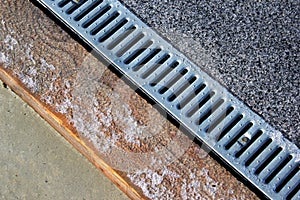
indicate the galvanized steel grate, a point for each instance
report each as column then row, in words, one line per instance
column 235, row 133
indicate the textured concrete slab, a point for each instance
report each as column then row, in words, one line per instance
column 37, row 163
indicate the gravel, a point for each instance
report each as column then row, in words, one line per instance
column 251, row 47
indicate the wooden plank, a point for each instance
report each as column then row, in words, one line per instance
column 103, row 118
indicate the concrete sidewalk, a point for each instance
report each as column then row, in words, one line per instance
column 37, row 163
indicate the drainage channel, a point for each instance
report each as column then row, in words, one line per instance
column 236, row 134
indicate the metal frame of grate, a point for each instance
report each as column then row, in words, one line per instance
column 212, row 114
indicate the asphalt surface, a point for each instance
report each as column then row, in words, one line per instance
column 251, row 47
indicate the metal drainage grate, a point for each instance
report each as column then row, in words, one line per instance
column 235, row 133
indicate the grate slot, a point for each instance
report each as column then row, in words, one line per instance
column 141, row 53
column 217, row 121
column 230, row 126
column 238, row 135
column 126, row 42
column 172, row 81
column 294, row 192
column 66, row 6
column 95, row 17
column 242, row 141
column 201, row 103
column 287, row 178
column 182, row 88
column 130, row 44
column 104, row 23
column 270, row 158
column 88, row 10
column 258, row 151
column 272, row 166
column 278, row 169
column 231, row 134
column 215, row 114
column 263, row 155
column 121, row 37
column 113, row 30
column 253, row 147
column 146, row 59
column 162, row 63
column 211, row 109
column 182, row 80
column 252, row 140
column 74, row 7
column 215, row 134
column 63, row 3
column 188, row 91
column 291, row 184
column 138, row 52
column 83, row 6
column 191, row 96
